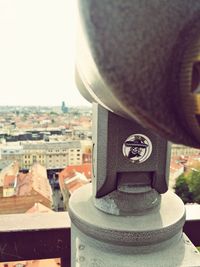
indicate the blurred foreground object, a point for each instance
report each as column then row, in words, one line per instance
column 137, row 62
column 140, row 59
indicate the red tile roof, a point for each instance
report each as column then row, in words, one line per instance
column 174, row 166
column 24, row 184
column 193, row 159
column 36, row 179
column 73, row 177
column 75, row 185
column 85, row 168
column 34, row 263
column 38, row 207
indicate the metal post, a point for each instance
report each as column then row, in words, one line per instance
column 125, row 218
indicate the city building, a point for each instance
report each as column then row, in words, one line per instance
column 176, row 169
column 180, row 150
column 32, row 263
column 182, row 158
column 182, row 165
column 86, row 146
column 192, row 163
column 8, row 179
column 9, row 185
column 64, row 108
column 51, row 155
column 10, row 153
column 73, row 177
column 22, row 190
column 38, row 207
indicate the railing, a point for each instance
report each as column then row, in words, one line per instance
column 35, row 236
column 191, row 229
column 47, row 235
column 192, row 224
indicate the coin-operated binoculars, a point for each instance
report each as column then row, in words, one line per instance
column 138, row 62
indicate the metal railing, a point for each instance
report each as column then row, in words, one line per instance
column 35, row 236
column 47, row 235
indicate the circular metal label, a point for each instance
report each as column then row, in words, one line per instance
column 137, row 148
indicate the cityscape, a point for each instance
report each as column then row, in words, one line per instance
column 116, row 187
column 45, row 155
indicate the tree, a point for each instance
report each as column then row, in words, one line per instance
column 182, row 189
column 194, row 185
column 53, row 113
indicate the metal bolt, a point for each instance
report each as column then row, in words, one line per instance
column 81, row 259
column 81, row 247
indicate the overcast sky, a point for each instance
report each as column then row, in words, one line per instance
column 37, row 53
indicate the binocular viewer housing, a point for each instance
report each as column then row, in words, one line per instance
column 140, row 60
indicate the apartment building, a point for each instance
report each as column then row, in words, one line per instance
column 11, row 153
column 180, row 150
column 9, row 185
column 33, row 152
column 61, row 154
column 33, row 263
column 22, row 190
column 73, row 177
column 8, row 179
column 51, row 155
column 86, row 146
column 176, row 169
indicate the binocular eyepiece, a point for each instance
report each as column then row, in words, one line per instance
column 141, row 60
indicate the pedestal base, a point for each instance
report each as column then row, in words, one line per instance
column 155, row 239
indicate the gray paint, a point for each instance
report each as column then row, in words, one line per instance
column 103, row 240
column 128, row 61
column 130, row 56
column 111, row 169
column 146, row 229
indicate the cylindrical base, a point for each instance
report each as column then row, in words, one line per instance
column 101, row 240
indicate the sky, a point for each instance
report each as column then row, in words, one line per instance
column 37, row 48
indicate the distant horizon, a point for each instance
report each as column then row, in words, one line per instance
column 37, row 55
column 46, row 106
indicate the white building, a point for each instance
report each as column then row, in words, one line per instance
column 180, row 150
column 52, row 155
